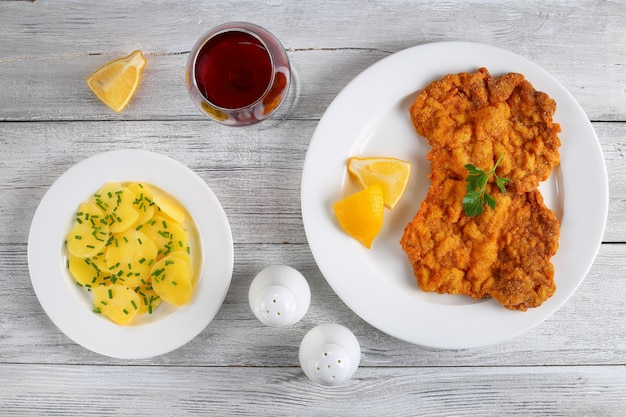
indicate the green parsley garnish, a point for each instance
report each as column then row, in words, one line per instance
column 477, row 197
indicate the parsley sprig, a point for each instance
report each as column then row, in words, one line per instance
column 476, row 197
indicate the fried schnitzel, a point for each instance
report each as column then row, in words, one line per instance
column 505, row 252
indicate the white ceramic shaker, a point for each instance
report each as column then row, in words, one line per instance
column 330, row 354
column 279, row 296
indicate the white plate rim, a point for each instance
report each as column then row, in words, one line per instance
column 60, row 298
column 390, row 308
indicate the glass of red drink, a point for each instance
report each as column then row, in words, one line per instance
column 238, row 74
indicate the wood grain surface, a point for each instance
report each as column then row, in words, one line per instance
column 573, row 364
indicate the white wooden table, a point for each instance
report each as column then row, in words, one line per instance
column 572, row 364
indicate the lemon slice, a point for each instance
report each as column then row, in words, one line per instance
column 361, row 214
column 390, row 173
column 116, row 82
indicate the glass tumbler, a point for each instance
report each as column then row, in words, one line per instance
column 238, row 74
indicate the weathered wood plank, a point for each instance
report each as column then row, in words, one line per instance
column 39, row 390
column 589, row 330
column 255, row 173
column 320, row 37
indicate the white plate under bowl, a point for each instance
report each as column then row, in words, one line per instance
column 370, row 118
column 70, row 307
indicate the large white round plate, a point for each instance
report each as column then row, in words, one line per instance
column 70, row 307
column 370, row 118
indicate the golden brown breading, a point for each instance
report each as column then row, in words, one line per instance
column 474, row 118
column 505, row 252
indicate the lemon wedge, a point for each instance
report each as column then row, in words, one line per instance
column 391, row 174
column 116, row 82
column 361, row 214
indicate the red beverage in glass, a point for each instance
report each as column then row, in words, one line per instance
column 233, row 70
column 238, row 74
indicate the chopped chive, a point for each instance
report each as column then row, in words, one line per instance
column 110, row 294
column 133, row 303
column 125, row 311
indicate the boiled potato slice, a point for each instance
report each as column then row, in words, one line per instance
column 89, row 233
column 171, row 280
column 166, row 234
column 130, row 257
column 87, row 272
column 143, row 203
column 118, row 204
column 168, row 205
column 184, row 255
column 149, row 299
column 117, row 302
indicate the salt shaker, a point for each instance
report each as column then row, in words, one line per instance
column 330, row 354
column 279, row 296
